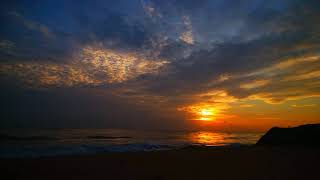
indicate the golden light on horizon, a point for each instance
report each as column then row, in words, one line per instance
column 201, row 112
column 205, row 119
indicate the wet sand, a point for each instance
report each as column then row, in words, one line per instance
column 246, row 163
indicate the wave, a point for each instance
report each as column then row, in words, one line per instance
column 4, row 137
column 90, row 149
column 61, row 150
column 108, row 137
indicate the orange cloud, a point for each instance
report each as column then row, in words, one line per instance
column 303, row 105
column 308, row 75
column 210, row 106
column 255, row 84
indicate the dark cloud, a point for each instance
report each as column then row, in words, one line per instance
column 243, row 57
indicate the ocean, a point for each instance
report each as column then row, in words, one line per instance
column 57, row 142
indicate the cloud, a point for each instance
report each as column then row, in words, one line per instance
column 150, row 10
column 215, row 102
column 187, row 36
column 34, row 26
column 93, row 67
column 224, row 77
column 254, row 84
column 303, row 105
column 308, row 75
column 118, row 66
column 246, row 105
column 6, row 45
column 287, row 63
column 179, row 54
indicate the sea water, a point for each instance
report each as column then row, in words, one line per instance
column 56, row 142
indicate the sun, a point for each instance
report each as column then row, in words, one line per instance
column 206, row 114
column 202, row 112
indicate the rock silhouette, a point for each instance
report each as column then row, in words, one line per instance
column 305, row 135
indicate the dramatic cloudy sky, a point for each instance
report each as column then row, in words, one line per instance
column 165, row 64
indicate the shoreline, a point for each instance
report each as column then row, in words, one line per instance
column 177, row 149
column 250, row 162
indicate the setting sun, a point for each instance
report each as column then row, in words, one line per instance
column 202, row 112
column 206, row 114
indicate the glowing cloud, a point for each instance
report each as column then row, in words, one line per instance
column 255, row 84
column 117, row 67
column 211, row 106
column 303, row 105
column 224, row 77
column 308, row 75
column 201, row 112
column 93, row 67
column 187, row 36
column 286, row 64
column 39, row 75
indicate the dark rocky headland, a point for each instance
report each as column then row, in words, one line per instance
column 305, row 135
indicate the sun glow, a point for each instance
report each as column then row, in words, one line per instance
column 206, row 114
column 201, row 112
column 205, row 119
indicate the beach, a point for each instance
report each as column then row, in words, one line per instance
column 194, row 162
column 160, row 90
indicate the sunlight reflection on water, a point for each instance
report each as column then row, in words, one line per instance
column 218, row 139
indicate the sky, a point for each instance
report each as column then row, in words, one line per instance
column 222, row 65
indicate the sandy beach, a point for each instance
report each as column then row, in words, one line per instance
column 188, row 163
